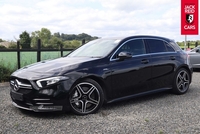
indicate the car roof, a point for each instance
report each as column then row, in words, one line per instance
column 139, row 36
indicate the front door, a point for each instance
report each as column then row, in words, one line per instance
column 131, row 76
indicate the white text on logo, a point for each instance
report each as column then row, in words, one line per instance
column 189, row 8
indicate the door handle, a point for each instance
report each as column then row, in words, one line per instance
column 172, row 58
column 144, row 61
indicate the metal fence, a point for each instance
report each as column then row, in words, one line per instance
column 38, row 50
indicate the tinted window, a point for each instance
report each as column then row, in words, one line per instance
column 135, row 47
column 175, row 46
column 156, row 46
column 169, row 48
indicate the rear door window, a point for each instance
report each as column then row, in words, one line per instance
column 156, row 46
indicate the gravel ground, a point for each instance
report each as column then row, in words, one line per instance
column 161, row 113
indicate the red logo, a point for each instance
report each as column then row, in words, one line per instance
column 189, row 17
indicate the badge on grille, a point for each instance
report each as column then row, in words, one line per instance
column 16, row 85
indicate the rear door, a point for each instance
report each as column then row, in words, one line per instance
column 163, row 60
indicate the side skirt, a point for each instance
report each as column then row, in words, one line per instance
column 139, row 94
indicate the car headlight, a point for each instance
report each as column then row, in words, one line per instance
column 50, row 81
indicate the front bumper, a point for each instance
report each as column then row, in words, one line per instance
column 53, row 98
column 40, row 108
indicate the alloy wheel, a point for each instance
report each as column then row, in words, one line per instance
column 183, row 81
column 85, row 98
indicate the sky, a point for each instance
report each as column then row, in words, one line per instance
column 101, row 18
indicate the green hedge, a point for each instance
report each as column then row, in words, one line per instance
column 5, row 73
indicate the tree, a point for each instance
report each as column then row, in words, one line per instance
column 80, row 37
column 2, row 47
column 54, row 42
column 57, row 35
column 1, row 40
column 12, row 45
column 34, row 39
column 51, row 41
column 188, row 44
column 44, row 34
column 25, row 40
column 196, row 44
column 84, row 36
column 72, row 44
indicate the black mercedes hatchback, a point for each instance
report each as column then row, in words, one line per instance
column 102, row 71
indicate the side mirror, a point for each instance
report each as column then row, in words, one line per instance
column 124, row 55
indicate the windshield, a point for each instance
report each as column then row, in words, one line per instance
column 95, row 48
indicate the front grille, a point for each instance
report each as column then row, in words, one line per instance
column 17, row 84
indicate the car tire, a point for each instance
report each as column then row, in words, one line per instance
column 86, row 97
column 181, row 81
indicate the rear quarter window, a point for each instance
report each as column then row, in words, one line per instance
column 169, row 47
